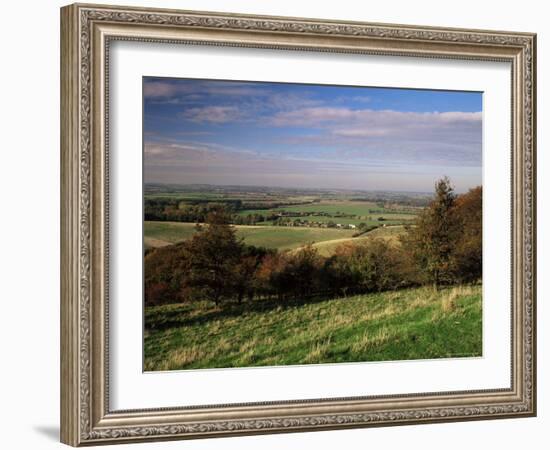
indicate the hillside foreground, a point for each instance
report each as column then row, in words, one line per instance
column 408, row 324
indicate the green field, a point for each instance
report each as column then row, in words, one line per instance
column 334, row 211
column 337, row 207
column 168, row 232
column 418, row 323
column 157, row 234
column 329, row 207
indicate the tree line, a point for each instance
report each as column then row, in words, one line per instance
column 177, row 210
column 442, row 247
column 196, row 210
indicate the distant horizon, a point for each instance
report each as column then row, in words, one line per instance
column 302, row 188
column 302, row 136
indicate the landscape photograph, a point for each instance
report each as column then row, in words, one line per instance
column 291, row 224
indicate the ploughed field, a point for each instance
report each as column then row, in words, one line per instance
column 416, row 323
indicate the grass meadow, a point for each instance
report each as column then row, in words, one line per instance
column 416, row 323
column 158, row 234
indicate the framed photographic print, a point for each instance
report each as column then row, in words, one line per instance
column 275, row 225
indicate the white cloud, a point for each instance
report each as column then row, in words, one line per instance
column 384, row 119
column 213, row 114
column 171, row 91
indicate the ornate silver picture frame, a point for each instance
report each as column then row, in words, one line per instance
column 87, row 32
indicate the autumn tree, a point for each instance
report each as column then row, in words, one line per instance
column 245, row 271
column 434, row 235
column 303, row 271
column 164, row 274
column 339, row 274
column 373, row 265
column 212, row 255
column 381, row 265
column 468, row 249
column 271, row 275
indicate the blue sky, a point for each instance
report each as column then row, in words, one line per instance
column 309, row 136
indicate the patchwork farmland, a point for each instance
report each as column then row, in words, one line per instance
column 283, row 220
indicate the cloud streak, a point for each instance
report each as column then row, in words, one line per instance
column 368, row 123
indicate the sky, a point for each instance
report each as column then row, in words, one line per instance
column 309, row 136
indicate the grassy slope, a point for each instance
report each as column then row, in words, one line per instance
column 415, row 323
column 171, row 232
column 327, row 248
column 283, row 238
